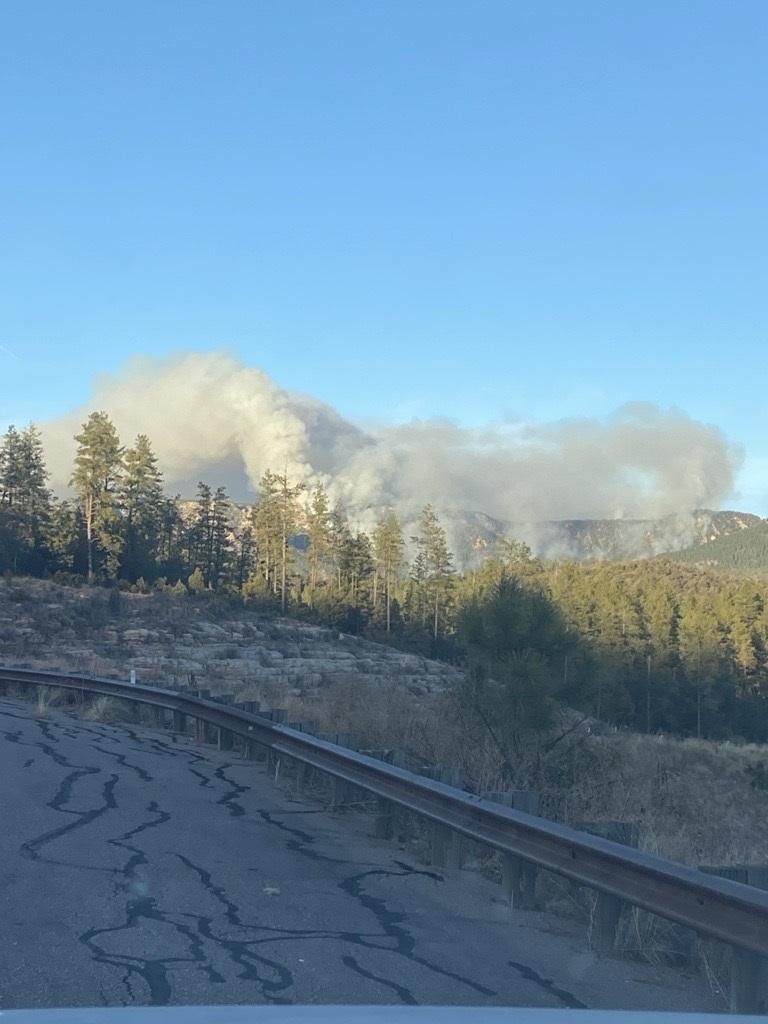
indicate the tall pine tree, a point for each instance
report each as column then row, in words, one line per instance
column 95, row 478
column 434, row 566
column 141, row 500
column 389, row 548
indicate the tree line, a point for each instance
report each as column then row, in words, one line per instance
column 654, row 644
column 290, row 545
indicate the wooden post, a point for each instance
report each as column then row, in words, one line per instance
column 340, row 793
column 443, row 847
column 518, row 878
column 749, row 971
column 383, row 823
column 606, row 922
column 748, row 989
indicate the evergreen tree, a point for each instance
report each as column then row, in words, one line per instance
column 95, row 478
column 67, row 538
column 277, row 518
column 244, row 558
column 25, row 502
column 319, row 535
column 265, row 522
column 142, row 503
column 10, row 467
column 172, row 539
column 389, row 548
column 338, row 537
column 434, row 565
column 357, row 567
column 221, row 545
column 210, row 535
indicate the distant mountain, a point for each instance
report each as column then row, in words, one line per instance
column 475, row 535
column 744, row 549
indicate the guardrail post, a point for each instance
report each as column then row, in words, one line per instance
column 605, row 922
column 518, row 879
column 226, row 739
column 277, row 715
column 300, row 776
column 179, row 721
column 340, row 793
column 607, row 913
column 253, row 751
column 748, row 990
column 383, row 823
column 445, row 852
column 749, row 971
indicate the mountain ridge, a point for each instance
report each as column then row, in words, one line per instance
column 474, row 535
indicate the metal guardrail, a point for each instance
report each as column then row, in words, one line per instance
column 715, row 907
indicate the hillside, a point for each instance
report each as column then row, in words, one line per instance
column 698, row 801
column 205, row 643
column 745, row 549
column 473, row 536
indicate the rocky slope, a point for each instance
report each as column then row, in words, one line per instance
column 181, row 641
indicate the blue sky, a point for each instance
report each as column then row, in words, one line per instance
column 476, row 209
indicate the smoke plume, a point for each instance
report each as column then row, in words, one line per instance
column 209, row 416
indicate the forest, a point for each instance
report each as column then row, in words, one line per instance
column 654, row 645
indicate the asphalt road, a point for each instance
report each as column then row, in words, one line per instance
column 138, row 868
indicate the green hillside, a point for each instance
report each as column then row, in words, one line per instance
column 744, row 549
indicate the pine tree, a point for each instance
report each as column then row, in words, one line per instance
column 66, row 538
column 33, row 502
column 141, row 500
column 434, row 564
column 266, row 529
column 25, row 501
column 701, row 652
column 357, row 567
column 276, row 519
column 319, row 533
column 245, row 556
column 172, row 538
column 210, row 535
column 95, row 478
column 338, row 538
column 389, row 548
column 10, row 467
column 289, row 518
column 221, row 545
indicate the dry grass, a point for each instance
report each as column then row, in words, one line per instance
column 693, row 799
column 48, row 698
column 107, row 709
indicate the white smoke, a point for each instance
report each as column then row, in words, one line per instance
column 210, row 417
